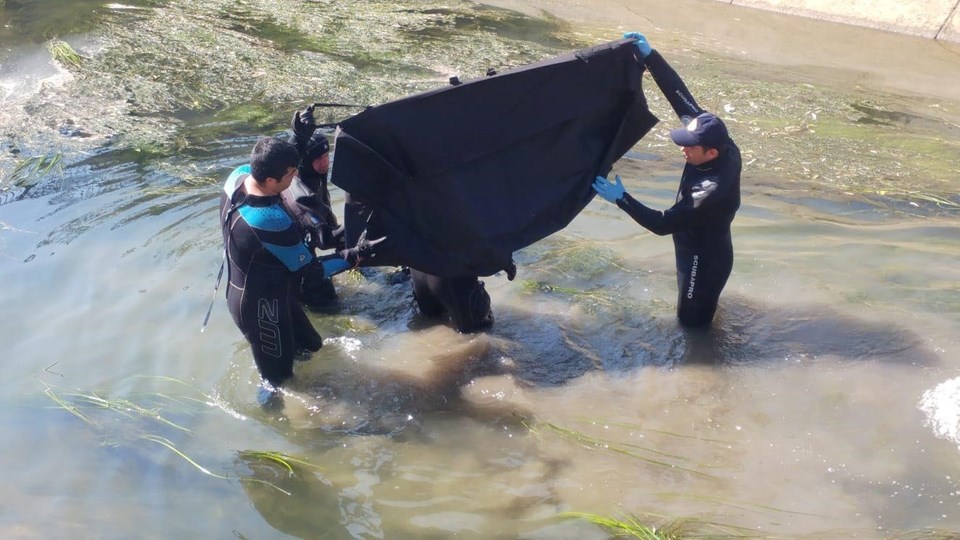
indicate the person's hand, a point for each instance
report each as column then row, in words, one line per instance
column 331, row 238
column 642, row 45
column 365, row 250
column 303, row 123
column 610, row 191
column 511, row 270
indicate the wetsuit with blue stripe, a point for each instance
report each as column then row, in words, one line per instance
column 707, row 201
column 266, row 254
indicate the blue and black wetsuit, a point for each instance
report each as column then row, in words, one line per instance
column 266, row 255
column 707, row 201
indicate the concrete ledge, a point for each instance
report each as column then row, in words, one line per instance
column 951, row 29
column 933, row 19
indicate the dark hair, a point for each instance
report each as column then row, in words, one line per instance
column 272, row 158
column 721, row 148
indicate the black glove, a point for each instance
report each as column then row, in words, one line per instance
column 366, row 250
column 331, row 238
column 511, row 270
column 303, row 124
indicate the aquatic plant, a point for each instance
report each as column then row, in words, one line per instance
column 926, row 534
column 207, row 57
column 64, row 54
column 634, row 526
column 279, row 458
column 649, row 455
column 29, row 171
column 84, row 405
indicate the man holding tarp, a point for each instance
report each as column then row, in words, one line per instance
column 707, row 200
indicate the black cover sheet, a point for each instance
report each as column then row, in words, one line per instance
column 460, row 177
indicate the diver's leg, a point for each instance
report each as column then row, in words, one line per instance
column 701, row 278
column 304, row 334
column 468, row 303
column 425, row 292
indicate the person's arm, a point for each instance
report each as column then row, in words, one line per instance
column 654, row 221
column 345, row 259
column 672, row 87
column 670, row 83
column 303, row 126
column 692, row 209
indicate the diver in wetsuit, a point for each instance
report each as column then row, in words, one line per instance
column 266, row 255
column 463, row 298
column 308, row 201
column 707, row 200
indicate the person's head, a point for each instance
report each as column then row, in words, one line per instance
column 703, row 139
column 316, row 157
column 273, row 164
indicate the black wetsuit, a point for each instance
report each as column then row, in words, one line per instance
column 311, row 208
column 310, row 191
column 266, row 255
column 464, row 299
column 707, row 201
column 308, row 201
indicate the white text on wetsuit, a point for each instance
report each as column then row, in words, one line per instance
column 693, row 277
column 267, row 319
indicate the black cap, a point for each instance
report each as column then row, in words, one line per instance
column 317, row 146
column 705, row 130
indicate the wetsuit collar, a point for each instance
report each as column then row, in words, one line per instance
column 261, row 200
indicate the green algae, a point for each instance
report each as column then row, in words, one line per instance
column 880, row 148
column 64, row 54
column 176, row 77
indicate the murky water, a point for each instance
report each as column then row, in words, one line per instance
column 824, row 402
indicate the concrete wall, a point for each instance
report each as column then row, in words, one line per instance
column 933, row 19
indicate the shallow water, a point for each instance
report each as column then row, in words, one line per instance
column 823, row 402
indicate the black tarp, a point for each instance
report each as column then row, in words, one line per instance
column 461, row 177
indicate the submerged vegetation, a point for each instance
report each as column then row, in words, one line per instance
column 178, row 76
column 155, row 71
column 647, row 454
column 28, row 171
column 633, row 526
column 148, row 418
column 813, row 137
column 64, row 54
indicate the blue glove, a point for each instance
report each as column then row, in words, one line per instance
column 641, row 43
column 610, row 191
